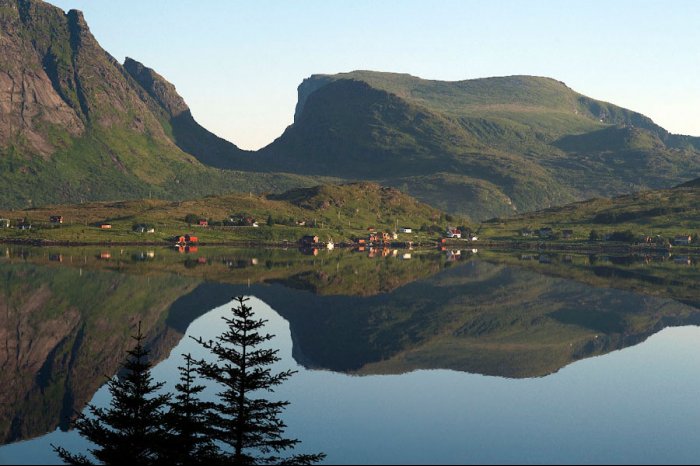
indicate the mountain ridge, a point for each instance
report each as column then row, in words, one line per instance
column 77, row 125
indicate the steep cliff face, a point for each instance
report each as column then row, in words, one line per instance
column 76, row 125
column 37, row 88
column 189, row 135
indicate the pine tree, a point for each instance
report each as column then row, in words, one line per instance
column 250, row 426
column 189, row 441
column 131, row 430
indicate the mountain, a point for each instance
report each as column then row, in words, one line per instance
column 484, row 147
column 77, row 125
column 177, row 119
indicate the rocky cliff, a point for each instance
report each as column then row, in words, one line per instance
column 77, row 125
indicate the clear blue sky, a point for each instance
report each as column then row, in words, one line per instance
column 238, row 64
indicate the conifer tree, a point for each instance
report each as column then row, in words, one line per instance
column 189, row 440
column 250, row 426
column 131, row 429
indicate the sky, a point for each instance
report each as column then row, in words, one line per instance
column 238, row 64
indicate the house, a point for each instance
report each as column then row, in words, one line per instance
column 186, row 239
column 56, row 219
column 453, row 233
column 566, row 234
column 143, row 228
column 203, row 223
column 406, row 230
column 682, row 240
column 473, row 237
column 25, row 226
column 308, row 240
column 4, row 223
column 526, row 232
column 545, row 232
column 106, row 226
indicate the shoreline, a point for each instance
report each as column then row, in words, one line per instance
column 531, row 246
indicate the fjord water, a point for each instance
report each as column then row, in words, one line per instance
column 496, row 360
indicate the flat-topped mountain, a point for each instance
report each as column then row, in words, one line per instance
column 482, row 147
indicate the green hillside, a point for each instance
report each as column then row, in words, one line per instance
column 665, row 213
column 483, row 148
column 337, row 212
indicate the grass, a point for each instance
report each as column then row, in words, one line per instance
column 662, row 212
column 340, row 213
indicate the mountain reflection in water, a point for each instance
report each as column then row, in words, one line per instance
column 66, row 323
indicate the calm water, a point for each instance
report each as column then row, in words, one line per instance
column 498, row 360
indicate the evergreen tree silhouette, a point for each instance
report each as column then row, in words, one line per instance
column 189, row 440
column 131, row 430
column 250, row 426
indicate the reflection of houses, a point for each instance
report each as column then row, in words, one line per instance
column 682, row 240
column 545, row 259
column 453, row 256
column 309, row 251
column 684, row 260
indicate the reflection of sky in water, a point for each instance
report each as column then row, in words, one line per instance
column 639, row 405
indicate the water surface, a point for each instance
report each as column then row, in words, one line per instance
column 502, row 359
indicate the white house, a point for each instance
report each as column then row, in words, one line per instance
column 406, row 230
column 453, row 233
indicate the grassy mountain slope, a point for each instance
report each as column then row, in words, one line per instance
column 484, row 147
column 330, row 211
column 665, row 212
column 75, row 124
